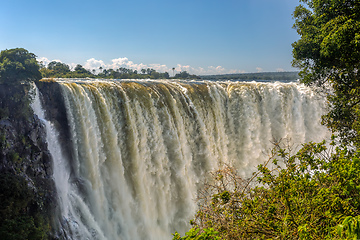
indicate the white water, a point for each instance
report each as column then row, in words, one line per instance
column 72, row 225
column 142, row 148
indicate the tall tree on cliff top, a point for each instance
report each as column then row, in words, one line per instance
column 328, row 53
column 18, row 65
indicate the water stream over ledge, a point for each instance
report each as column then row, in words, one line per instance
column 141, row 148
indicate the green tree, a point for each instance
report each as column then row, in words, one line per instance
column 307, row 195
column 17, row 66
column 328, row 54
column 58, row 68
column 19, row 210
column 81, row 69
column 185, row 75
column 155, row 74
column 165, row 75
column 149, row 71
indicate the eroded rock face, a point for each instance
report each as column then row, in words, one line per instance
column 24, row 156
column 24, row 147
column 55, row 111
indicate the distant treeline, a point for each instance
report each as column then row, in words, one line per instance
column 284, row 76
column 61, row 70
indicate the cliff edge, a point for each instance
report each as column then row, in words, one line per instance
column 27, row 190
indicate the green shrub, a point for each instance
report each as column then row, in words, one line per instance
column 18, row 221
column 302, row 196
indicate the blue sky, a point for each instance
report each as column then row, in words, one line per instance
column 202, row 37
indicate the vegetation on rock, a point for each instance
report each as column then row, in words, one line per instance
column 20, row 218
column 26, row 187
column 18, row 66
column 299, row 196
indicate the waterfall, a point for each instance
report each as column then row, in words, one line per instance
column 72, row 225
column 141, row 149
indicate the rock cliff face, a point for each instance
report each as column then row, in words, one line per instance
column 28, row 193
column 55, row 112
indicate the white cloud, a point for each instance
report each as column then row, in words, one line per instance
column 216, row 70
column 120, row 62
column 259, row 69
column 160, row 67
column 43, row 60
column 124, row 62
column 72, row 65
column 92, row 63
column 182, row 68
column 46, row 61
column 280, row 70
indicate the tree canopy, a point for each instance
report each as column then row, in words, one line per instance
column 58, row 67
column 185, row 75
column 328, row 54
column 18, row 65
column 307, row 195
column 61, row 70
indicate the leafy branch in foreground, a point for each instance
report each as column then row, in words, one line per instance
column 350, row 228
column 302, row 196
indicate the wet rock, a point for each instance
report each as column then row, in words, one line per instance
column 24, row 154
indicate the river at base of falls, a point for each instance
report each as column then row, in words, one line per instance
column 142, row 148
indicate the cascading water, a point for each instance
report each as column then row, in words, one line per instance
column 142, row 148
column 72, row 226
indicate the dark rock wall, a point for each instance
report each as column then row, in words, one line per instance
column 27, row 190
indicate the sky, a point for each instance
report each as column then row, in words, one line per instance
column 198, row 36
